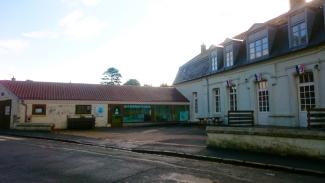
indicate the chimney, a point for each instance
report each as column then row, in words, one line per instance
column 296, row 3
column 13, row 78
column 203, row 48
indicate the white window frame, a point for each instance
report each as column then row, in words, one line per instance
column 298, row 22
column 229, row 56
column 258, row 48
column 301, row 33
column 214, row 62
column 303, row 97
column 217, row 106
column 263, row 96
column 233, row 103
column 195, row 103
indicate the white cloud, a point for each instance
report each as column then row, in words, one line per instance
column 12, row 46
column 41, row 34
column 90, row 2
column 77, row 25
column 153, row 49
column 82, row 2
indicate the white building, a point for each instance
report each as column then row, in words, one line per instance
column 276, row 68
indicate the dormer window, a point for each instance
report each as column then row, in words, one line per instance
column 258, row 44
column 299, row 34
column 258, row 48
column 214, row 61
column 229, row 56
column 298, row 30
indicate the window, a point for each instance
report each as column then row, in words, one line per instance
column 229, row 56
column 233, row 98
column 195, row 100
column 83, row 109
column 306, row 91
column 263, row 96
column 298, row 30
column 258, row 48
column 39, row 109
column 299, row 34
column 217, row 99
column 214, row 61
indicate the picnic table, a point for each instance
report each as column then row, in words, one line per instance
column 214, row 120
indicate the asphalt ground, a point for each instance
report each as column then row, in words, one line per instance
column 40, row 160
column 179, row 141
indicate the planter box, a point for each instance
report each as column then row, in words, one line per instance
column 81, row 122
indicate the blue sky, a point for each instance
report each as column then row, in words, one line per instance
column 77, row 40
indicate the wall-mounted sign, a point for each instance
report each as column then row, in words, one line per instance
column 183, row 116
column 116, row 111
column 7, row 110
column 100, row 111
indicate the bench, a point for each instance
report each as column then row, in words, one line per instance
column 316, row 118
column 241, row 118
column 215, row 120
column 35, row 126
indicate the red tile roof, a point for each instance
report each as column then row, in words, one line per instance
column 31, row 90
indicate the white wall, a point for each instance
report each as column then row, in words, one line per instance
column 188, row 89
column 282, row 80
column 57, row 112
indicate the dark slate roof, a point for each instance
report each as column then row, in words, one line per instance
column 197, row 67
column 31, row 90
column 200, row 66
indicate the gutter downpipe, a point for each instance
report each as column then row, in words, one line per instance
column 208, row 94
column 324, row 12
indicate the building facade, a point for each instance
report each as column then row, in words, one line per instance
column 275, row 68
column 113, row 106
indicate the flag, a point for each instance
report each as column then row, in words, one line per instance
column 229, row 83
column 300, row 69
column 258, row 77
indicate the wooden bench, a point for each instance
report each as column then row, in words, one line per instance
column 241, row 118
column 316, row 118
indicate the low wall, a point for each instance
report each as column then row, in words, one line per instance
column 35, row 126
column 281, row 141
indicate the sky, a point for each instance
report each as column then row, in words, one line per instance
column 148, row 40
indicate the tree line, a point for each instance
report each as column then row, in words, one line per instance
column 112, row 76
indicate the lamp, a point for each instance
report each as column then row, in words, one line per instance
column 316, row 67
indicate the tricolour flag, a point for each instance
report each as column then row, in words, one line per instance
column 258, row 77
column 300, row 69
column 229, row 83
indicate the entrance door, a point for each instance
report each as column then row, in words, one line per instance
column 306, row 95
column 263, row 103
column 5, row 114
column 116, row 115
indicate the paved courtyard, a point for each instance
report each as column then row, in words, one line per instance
column 182, row 139
column 189, row 139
